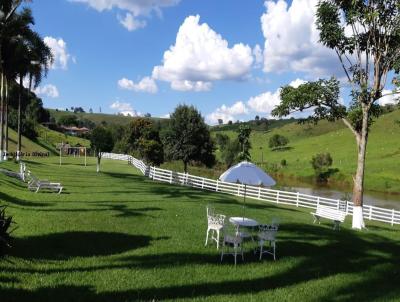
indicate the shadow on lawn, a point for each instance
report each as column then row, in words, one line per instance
column 63, row 246
column 22, row 203
column 369, row 266
column 121, row 209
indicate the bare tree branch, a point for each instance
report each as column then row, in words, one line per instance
column 348, row 124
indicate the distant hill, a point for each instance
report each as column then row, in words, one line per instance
column 383, row 153
column 99, row 118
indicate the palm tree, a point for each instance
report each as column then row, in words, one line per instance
column 33, row 58
column 21, row 48
column 7, row 10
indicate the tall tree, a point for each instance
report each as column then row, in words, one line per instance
column 32, row 58
column 244, row 141
column 101, row 141
column 366, row 38
column 188, row 138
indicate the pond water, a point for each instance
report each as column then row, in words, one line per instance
column 390, row 201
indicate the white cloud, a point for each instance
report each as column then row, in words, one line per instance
column 258, row 55
column 191, row 85
column 201, row 56
column 291, row 40
column 60, row 53
column 48, row 90
column 296, row 83
column 131, row 23
column 124, row 108
column 388, row 98
column 267, row 101
column 133, row 9
column 227, row 113
column 146, row 84
column 264, row 102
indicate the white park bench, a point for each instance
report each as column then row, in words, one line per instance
column 36, row 184
column 337, row 216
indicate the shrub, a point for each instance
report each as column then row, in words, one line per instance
column 283, row 163
column 321, row 164
column 277, row 142
column 5, row 232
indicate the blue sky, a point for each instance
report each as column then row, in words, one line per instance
column 226, row 57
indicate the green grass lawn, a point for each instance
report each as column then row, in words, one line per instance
column 117, row 236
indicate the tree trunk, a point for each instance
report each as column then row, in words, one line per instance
column 98, row 162
column 1, row 116
column 19, row 118
column 185, row 164
column 6, row 122
column 358, row 189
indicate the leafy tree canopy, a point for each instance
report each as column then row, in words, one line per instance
column 187, row 137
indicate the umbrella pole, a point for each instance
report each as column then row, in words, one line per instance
column 244, row 200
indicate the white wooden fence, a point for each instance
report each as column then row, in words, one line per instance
column 275, row 196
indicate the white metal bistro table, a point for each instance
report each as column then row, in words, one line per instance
column 243, row 222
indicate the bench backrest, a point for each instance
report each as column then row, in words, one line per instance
column 331, row 213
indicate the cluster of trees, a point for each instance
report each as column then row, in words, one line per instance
column 236, row 150
column 74, row 120
column 186, row 138
column 23, row 54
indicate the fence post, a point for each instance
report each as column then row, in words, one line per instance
column 370, row 212
column 297, row 199
column 259, row 192
column 317, row 201
column 238, row 194
column 170, row 177
column 277, row 197
column 202, row 183
column 392, row 217
column 216, row 189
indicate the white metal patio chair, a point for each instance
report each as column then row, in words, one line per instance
column 267, row 234
column 232, row 243
column 215, row 223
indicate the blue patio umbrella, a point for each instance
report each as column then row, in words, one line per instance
column 247, row 173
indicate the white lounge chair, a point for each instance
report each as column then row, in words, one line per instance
column 35, row 184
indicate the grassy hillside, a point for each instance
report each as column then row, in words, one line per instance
column 51, row 138
column 26, row 144
column 98, row 118
column 383, row 155
column 46, row 141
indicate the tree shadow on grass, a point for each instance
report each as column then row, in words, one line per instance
column 373, row 259
column 63, row 246
column 121, row 209
column 15, row 201
column 125, row 176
